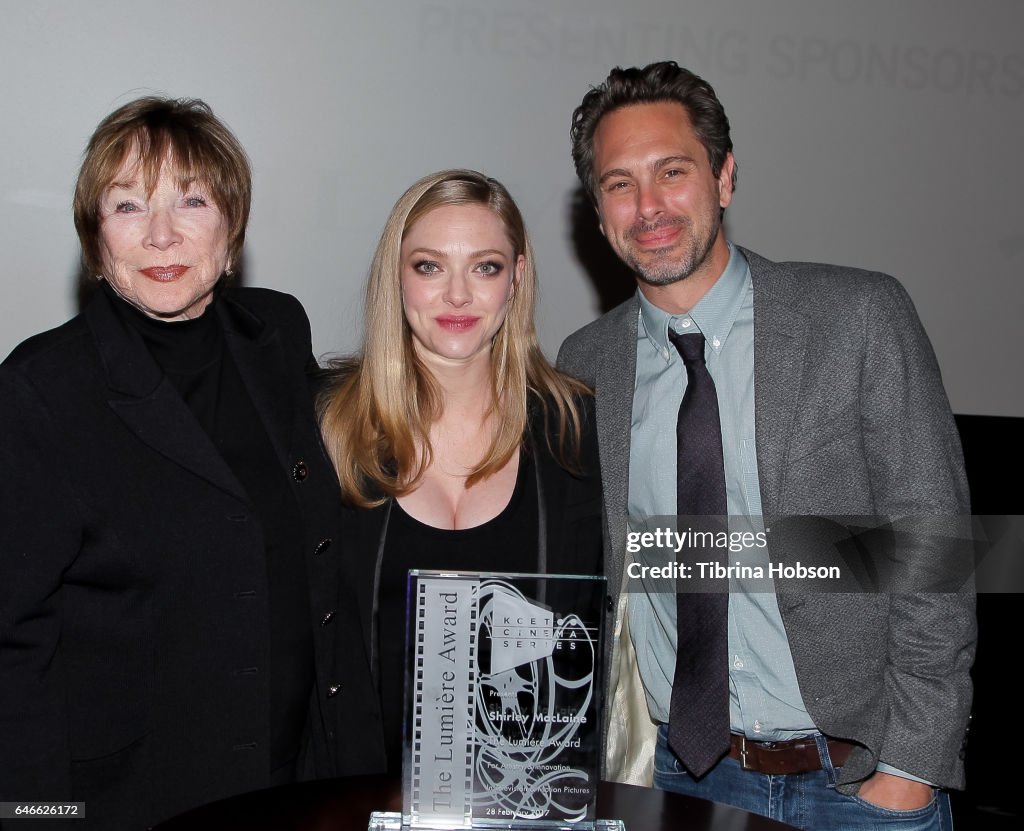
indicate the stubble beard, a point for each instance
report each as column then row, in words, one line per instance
column 665, row 266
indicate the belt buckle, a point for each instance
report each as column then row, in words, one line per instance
column 743, row 754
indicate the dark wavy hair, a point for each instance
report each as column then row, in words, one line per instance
column 656, row 82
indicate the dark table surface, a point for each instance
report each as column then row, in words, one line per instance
column 343, row 804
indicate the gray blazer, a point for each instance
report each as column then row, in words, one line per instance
column 850, row 418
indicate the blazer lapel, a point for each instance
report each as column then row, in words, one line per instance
column 614, row 383
column 258, row 354
column 780, row 347
column 148, row 403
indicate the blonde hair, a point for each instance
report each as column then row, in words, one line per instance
column 376, row 412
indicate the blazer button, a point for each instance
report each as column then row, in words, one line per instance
column 610, row 604
column 322, row 546
column 300, row 471
column 967, row 732
column 333, row 690
column 327, row 618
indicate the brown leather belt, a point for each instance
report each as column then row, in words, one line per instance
column 793, row 756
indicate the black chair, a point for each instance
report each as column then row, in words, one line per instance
column 992, row 445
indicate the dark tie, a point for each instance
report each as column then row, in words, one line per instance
column 699, row 712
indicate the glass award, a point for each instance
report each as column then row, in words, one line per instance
column 504, row 695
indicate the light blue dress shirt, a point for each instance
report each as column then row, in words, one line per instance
column 764, row 697
column 765, row 700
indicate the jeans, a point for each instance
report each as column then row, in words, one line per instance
column 806, row 800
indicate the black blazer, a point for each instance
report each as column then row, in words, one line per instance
column 133, row 581
column 570, row 505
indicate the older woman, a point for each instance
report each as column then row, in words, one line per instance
column 171, row 624
column 456, row 443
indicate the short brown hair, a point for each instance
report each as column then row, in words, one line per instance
column 183, row 132
column 654, row 83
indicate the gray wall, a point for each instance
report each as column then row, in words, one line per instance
column 880, row 133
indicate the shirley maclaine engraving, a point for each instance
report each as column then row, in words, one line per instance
column 503, row 704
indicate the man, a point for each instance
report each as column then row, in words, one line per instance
column 845, row 710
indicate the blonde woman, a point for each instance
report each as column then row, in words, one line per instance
column 457, row 444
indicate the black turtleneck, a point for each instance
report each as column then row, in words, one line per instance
column 192, row 356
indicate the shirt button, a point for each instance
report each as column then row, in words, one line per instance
column 322, row 546
column 716, row 343
column 757, row 727
column 300, row 471
column 333, row 690
column 737, row 663
column 686, row 323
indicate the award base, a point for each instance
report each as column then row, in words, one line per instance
column 392, row 821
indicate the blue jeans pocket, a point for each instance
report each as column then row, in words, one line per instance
column 860, row 813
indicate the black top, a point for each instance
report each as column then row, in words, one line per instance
column 192, row 356
column 506, row 543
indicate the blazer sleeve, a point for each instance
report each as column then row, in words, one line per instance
column 40, row 533
column 576, row 356
column 591, row 485
column 916, row 468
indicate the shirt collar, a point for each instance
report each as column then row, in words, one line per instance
column 713, row 315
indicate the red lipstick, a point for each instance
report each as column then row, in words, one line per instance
column 457, row 323
column 164, row 273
